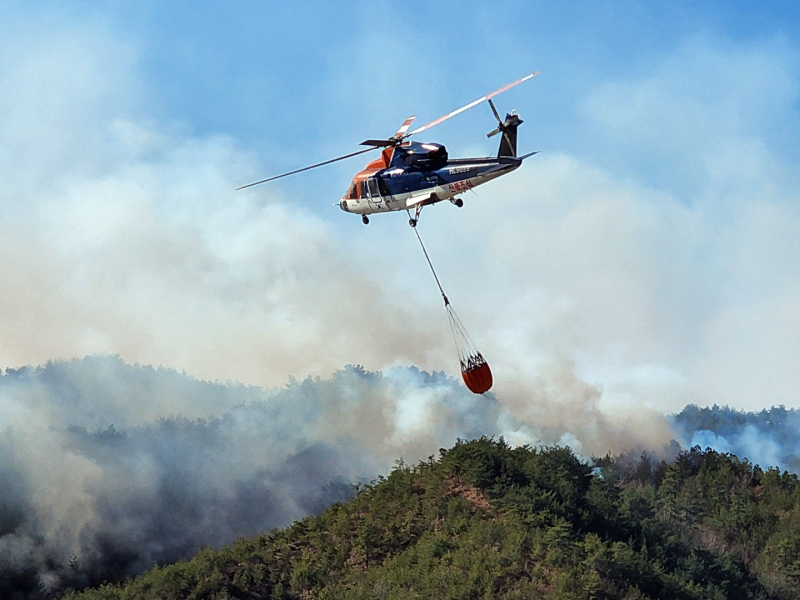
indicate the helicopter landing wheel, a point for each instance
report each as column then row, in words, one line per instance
column 459, row 202
column 412, row 222
column 365, row 219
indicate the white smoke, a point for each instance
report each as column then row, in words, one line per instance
column 122, row 237
column 768, row 438
column 748, row 442
column 131, row 241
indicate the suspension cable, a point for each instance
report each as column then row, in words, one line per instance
column 430, row 264
column 474, row 368
column 465, row 348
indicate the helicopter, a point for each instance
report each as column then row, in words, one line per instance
column 410, row 175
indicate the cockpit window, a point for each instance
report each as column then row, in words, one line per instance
column 351, row 192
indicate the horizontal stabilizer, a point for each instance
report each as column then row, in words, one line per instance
column 495, row 169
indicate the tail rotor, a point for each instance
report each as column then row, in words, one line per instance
column 508, row 145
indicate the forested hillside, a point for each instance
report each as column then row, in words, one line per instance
column 484, row 520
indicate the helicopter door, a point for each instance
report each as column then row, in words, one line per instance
column 374, row 191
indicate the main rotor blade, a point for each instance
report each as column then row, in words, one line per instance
column 327, row 162
column 378, row 143
column 470, row 105
column 404, row 127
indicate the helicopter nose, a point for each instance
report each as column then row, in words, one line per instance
column 343, row 205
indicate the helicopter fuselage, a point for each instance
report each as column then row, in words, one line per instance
column 404, row 181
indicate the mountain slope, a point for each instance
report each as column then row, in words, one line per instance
column 488, row 521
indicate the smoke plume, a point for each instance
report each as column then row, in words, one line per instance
column 98, row 482
column 769, row 438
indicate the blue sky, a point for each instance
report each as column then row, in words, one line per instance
column 647, row 258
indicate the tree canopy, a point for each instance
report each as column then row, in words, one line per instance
column 484, row 520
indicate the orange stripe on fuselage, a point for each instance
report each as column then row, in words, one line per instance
column 383, row 161
column 387, row 154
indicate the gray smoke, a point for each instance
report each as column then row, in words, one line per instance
column 96, row 485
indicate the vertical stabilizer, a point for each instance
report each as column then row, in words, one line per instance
column 508, row 143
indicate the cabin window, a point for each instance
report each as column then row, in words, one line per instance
column 373, row 187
